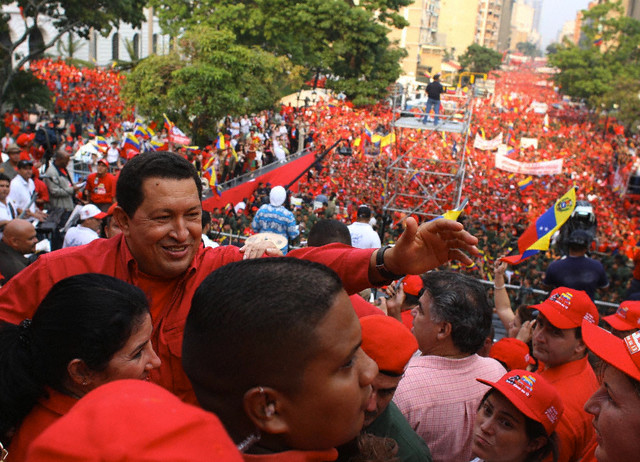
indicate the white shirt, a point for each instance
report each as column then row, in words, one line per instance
column 208, row 242
column 112, row 155
column 79, row 235
column 245, row 124
column 363, row 236
column 5, row 212
column 5, row 143
column 20, row 193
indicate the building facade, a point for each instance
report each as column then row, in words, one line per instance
column 98, row 49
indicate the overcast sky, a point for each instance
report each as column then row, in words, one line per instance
column 554, row 14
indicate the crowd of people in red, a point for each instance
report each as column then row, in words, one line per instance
column 597, row 158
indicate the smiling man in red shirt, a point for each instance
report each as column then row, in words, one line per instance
column 159, row 213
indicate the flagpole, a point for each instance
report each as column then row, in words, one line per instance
column 318, row 159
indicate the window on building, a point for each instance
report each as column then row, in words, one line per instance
column 154, row 44
column 36, row 43
column 93, row 46
column 115, row 47
column 136, row 46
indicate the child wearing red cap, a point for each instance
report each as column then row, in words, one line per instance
column 516, row 419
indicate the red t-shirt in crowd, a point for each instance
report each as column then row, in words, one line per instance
column 102, row 190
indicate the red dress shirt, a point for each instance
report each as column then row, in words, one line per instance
column 170, row 299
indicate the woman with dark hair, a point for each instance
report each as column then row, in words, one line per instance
column 90, row 329
column 615, row 406
column 516, row 420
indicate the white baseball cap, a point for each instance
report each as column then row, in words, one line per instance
column 91, row 211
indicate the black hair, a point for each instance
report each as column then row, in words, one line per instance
column 206, row 218
column 160, row 164
column 462, row 301
column 533, row 429
column 4, row 177
column 328, row 231
column 257, row 334
column 524, row 313
column 87, row 316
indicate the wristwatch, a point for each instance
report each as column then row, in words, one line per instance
column 384, row 272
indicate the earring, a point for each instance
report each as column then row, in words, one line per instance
column 270, row 410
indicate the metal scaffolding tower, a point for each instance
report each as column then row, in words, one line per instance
column 421, row 180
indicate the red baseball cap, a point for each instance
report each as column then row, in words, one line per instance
column 388, row 342
column 138, row 421
column 532, row 395
column 25, row 138
column 103, row 162
column 513, row 352
column 566, row 308
column 111, row 209
column 627, row 316
column 412, row 285
column 623, row 354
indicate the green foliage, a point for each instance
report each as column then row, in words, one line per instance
column 334, row 37
column 27, row 91
column 211, row 77
column 606, row 74
column 552, row 48
column 528, row 49
column 480, row 59
column 68, row 47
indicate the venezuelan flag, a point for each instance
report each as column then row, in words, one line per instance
column 167, row 123
column 537, row 236
column 141, row 132
column 387, row 139
column 220, row 144
column 210, row 174
column 598, row 40
column 524, row 184
column 102, row 143
column 155, row 144
column 368, row 134
column 453, row 214
column 131, row 141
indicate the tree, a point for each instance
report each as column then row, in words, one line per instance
column 480, row 59
column 604, row 68
column 552, row 48
column 528, row 49
column 27, row 91
column 211, row 76
column 66, row 16
column 344, row 40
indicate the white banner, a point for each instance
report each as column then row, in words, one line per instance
column 526, row 142
column 487, row 145
column 548, row 167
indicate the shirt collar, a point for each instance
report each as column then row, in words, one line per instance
column 127, row 259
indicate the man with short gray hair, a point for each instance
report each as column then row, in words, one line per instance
column 439, row 394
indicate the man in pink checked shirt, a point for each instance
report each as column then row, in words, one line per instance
column 439, row 394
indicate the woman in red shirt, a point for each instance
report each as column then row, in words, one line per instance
column 90, row 329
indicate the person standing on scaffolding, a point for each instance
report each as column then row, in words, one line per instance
column 434, row 90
